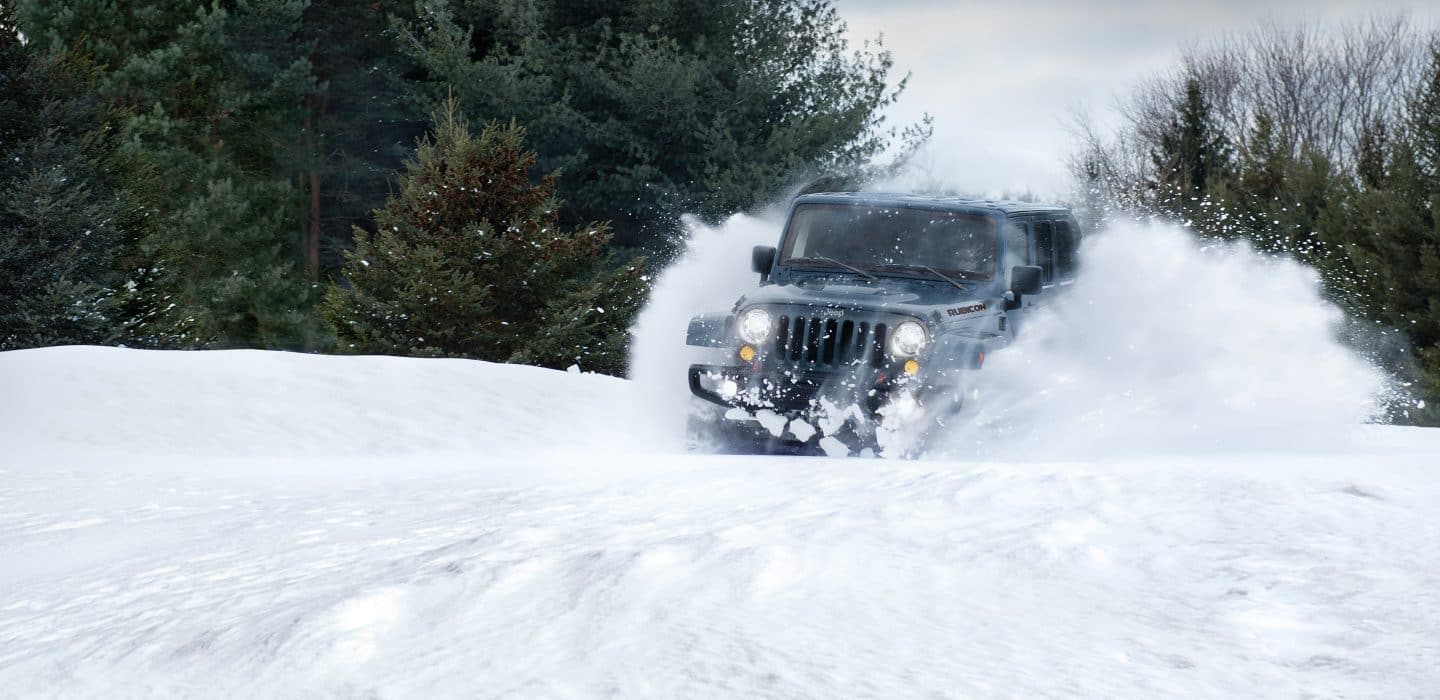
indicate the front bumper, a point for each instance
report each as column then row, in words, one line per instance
column 796, row 392
column 859, row 411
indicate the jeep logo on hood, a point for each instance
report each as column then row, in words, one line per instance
column 832, row 313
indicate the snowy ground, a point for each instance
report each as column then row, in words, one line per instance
column 245, row 524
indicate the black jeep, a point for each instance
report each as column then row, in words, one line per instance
column 870, row 317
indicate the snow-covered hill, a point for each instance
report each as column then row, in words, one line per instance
column 246, row 524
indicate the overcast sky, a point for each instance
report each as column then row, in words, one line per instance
column 1002, row 79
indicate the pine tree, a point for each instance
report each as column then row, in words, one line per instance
column 1419, row 298
column 1424, row 112
column 1390, row 233
column 214, row 97
column 70, row 208
column 468, row 259
column 1370, row 158
column 1265, row 162
column 654, row 108
column 1193, row 159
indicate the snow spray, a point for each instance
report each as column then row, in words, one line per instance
column 1166, row 343
column 1162, row 343
column 711, row 273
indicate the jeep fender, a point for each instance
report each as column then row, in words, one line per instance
column 711, row 330
column 963, row 348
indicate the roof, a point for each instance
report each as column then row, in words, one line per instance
column 1004, row 206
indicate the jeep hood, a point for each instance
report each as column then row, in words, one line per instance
column 887, row 295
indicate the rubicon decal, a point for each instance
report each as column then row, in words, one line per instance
column 963, row 310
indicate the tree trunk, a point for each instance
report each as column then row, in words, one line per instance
column 312, row 239
column 311, row 229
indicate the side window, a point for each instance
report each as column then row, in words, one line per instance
column 1045, row 251
column 1064, row 251
column 1017, row 246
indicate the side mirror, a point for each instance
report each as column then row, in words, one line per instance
column 1024, row 279
column 762, row 258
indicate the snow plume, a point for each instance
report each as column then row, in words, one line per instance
column 1166, row 344
column 711, row 273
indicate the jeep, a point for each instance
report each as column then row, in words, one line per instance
column 870, row 318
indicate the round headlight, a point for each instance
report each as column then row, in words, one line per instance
column 755, row 326
column 908, row 339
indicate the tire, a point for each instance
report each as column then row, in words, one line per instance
column 709, row 431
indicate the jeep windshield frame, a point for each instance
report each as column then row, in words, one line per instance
column 892, row 240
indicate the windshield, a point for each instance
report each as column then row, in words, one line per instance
column 879, row 239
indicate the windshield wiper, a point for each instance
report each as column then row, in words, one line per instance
column 943, row 276
column 833, row 261
column 952, row 280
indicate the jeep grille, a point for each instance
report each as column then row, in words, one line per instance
column 830, row 342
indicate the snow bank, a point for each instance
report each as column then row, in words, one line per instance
column 270, row 404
